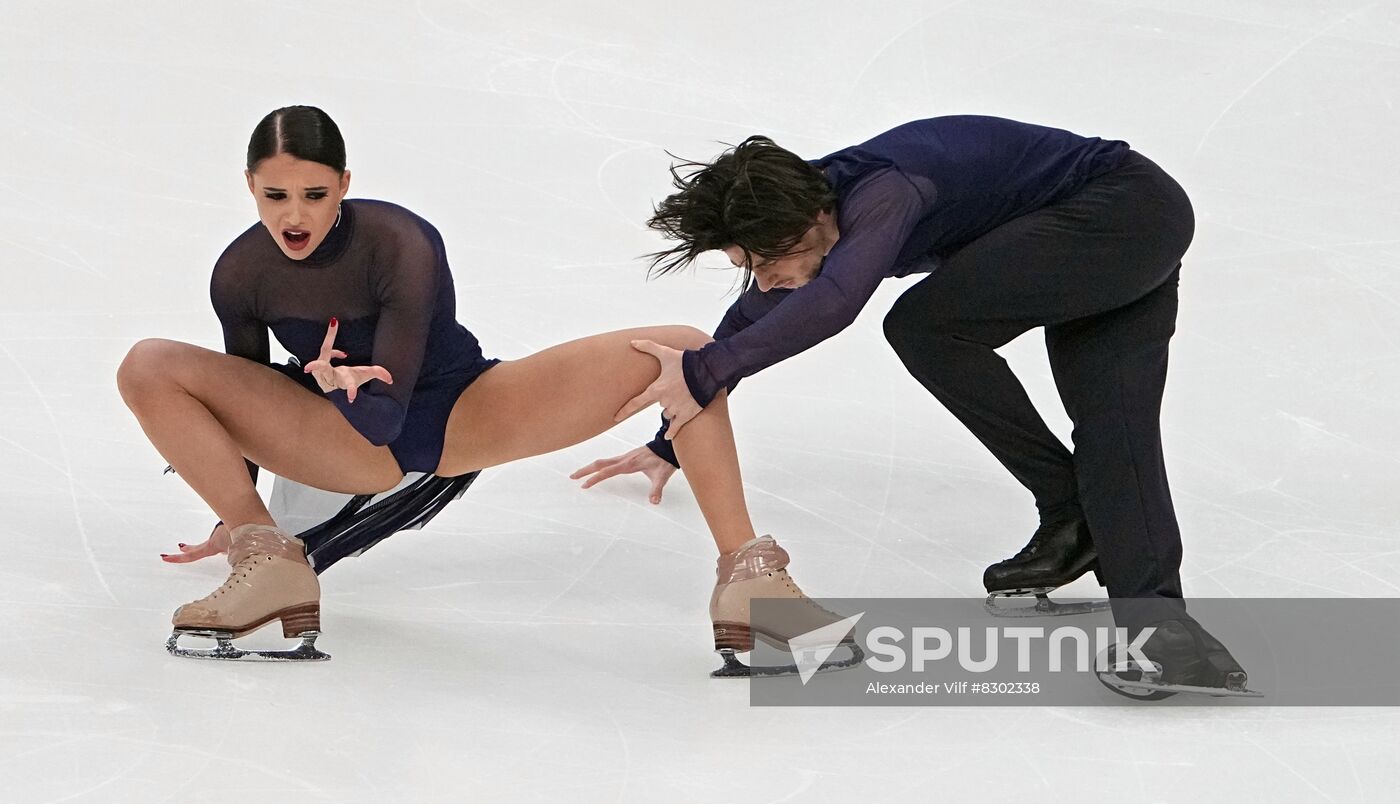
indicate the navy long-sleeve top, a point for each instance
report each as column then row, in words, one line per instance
column 905, row 199
column 383, row 272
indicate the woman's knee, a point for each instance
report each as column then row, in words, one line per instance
column 681, row 336
column 146, row 364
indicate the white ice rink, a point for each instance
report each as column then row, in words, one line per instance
column 540, row 643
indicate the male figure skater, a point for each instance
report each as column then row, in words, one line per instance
column 1017, row 226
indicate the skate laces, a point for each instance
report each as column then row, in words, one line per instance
column 1058, row 517
column 240, row 571
column 763, row 556
column 251, row 544
column 791, row 584
column 1041, row 535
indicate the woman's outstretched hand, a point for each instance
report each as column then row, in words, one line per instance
column 641, row 459
column 669, row 389
column 216, row 544
column 348, row 377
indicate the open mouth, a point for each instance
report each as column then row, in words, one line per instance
column 296, row 239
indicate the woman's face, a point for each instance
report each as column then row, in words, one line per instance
column 298, row 201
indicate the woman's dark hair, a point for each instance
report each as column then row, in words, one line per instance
column 302, row 131
column 755, row 195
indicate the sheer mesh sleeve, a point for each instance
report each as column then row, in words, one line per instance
column 244, row 335
column 382, row 271
column 405, row 282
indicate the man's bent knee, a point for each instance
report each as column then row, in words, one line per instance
column 915, row 335
column 899, row 326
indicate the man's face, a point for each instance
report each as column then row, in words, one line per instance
column 792, row 270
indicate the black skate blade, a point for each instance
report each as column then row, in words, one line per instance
column 1148, row 691
column 1132, row 680
column 733, row 668
column 1044, row 606
column 225, row 650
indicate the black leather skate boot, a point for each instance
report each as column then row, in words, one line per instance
column 1187, row 659
column 1189, row 655
column 1059, row 552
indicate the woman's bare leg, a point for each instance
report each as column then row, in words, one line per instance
column 204, row 411
column 569, row 393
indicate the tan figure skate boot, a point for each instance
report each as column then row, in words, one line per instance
column 758, row 570
column 271, row 580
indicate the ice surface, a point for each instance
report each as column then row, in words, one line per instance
column 539, row 643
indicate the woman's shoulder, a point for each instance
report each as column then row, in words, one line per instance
column 373, row 207
column 251, row 247
column 383, row 213
column 391, row 221
column 398, row 239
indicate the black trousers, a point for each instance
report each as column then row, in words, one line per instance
column 1098, row 270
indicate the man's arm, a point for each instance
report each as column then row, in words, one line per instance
column 875, row 222
column 748, row 308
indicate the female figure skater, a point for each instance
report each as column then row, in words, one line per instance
column 367, row 283
column 1017, row 226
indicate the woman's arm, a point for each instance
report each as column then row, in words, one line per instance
column 244, row 335
column 406, row 286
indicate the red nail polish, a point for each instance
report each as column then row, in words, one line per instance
column 163, row 555
column 334, row 322
column 181, row 544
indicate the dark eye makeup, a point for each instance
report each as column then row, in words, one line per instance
column 278, row 195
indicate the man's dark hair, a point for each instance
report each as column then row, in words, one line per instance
column 302, row 131
column 755, row 195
